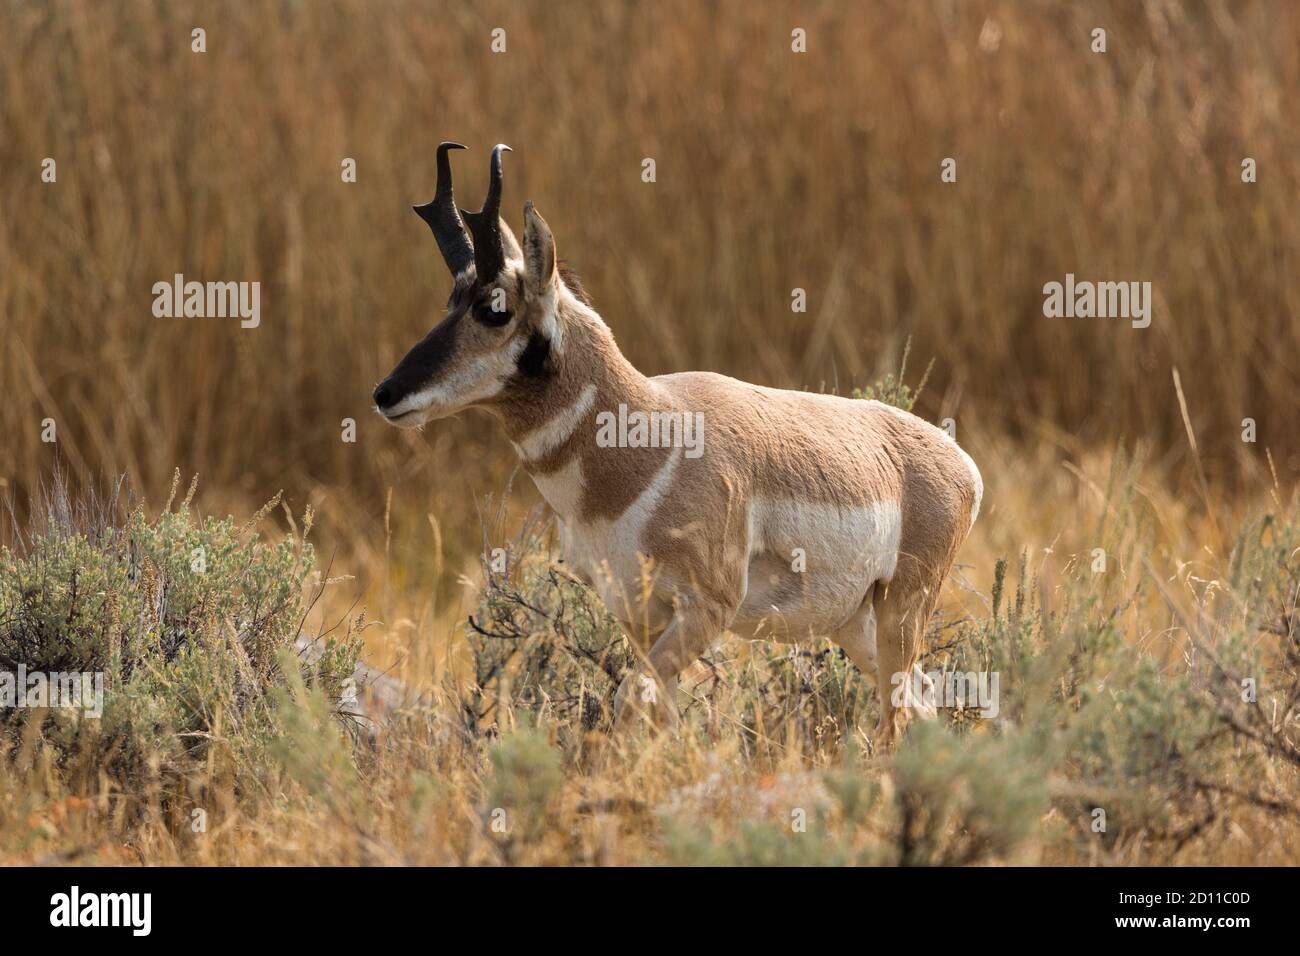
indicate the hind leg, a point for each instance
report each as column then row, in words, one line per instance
column 901, row 616
column 858, row 638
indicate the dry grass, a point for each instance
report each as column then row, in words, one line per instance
column 1120, row 690
column 775, row 171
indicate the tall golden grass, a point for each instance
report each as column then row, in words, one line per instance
column 775, row 170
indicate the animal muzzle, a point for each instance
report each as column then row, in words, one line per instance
column 393, row 400
column 386, row 396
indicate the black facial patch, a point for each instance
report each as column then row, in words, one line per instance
column 426, row 360
column 532, row 360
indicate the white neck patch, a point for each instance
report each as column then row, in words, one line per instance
column 557, row 429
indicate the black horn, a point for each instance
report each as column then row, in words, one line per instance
column 441, row 215
column 485, row 225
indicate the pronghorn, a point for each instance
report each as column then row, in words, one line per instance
column 805, row 514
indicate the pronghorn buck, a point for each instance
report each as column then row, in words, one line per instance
column 790, row 515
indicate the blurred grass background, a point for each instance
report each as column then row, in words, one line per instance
column 775, row 170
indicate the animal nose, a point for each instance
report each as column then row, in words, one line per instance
column 383, row 395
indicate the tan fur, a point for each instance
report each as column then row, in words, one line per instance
column 780, row 470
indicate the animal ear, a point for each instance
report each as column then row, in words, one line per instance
column 509, row 243
column 539, row 250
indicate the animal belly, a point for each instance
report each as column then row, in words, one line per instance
column 782, row 604
column 812, row 565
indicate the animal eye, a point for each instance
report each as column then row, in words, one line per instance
column 489, row 316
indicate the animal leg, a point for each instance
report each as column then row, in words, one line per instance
column 900, row 625
column 653, row 688
column 858, row 638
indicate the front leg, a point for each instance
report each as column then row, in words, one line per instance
column 651, row 690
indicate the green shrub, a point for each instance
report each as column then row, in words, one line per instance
column 1165, row 744
column 191, row 621
column 543, row 646
column 892, row 390
column 753, row 843
column 807, row 698
column 959, row 800
column 525, row 778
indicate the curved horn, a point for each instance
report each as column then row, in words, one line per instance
column 485, row 225
column 443, row 219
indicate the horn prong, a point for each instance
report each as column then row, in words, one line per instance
column 444, row 221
